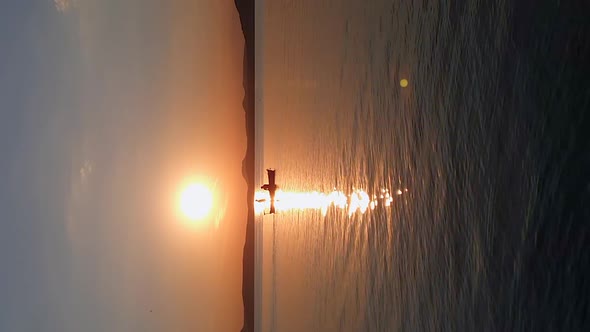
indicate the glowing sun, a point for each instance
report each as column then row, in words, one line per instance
column 196, row 201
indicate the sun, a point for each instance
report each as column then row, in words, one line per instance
column 196, row 201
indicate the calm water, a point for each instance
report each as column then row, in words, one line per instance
column 490, row 138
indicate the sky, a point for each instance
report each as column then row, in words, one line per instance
column 107, row 108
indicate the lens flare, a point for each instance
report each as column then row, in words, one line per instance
column 357, row 201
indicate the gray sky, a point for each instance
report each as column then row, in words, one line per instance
column 106, row 108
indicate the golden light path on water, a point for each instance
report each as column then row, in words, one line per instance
column 359, row 200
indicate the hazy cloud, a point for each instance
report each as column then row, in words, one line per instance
column 64, row 5
column 85, row 171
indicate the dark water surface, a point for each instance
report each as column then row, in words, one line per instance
column 491, row 138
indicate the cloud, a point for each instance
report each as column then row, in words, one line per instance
column 85, row 171
column 78, row 200
column 63, row 5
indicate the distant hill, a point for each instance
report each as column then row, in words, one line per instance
column 246, row 12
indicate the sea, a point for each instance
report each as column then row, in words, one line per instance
column 477, row 172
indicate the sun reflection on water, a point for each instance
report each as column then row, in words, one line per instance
column 359, row 200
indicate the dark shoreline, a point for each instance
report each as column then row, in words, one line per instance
column 246, row 12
